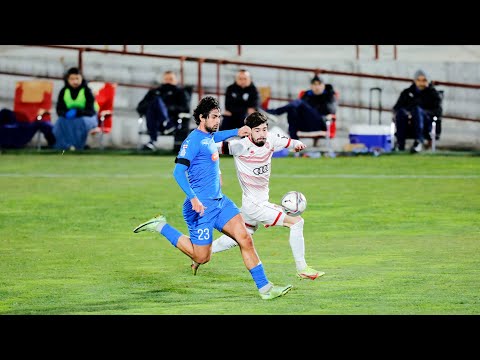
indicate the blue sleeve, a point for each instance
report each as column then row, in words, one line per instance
column 224, row 135
column 189, row 149
column 180, row 175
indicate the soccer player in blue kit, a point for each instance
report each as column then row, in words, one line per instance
column 205, row 207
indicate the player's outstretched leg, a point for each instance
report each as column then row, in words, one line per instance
column 152, row 224
column 297, row 244
column 158, row 224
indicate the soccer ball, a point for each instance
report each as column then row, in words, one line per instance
column 294, row 203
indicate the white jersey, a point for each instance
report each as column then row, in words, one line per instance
column 253, row 164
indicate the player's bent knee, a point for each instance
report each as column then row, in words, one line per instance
column 202, row 259
column 245, row 241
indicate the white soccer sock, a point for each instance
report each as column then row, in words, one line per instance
column 223, row 243
column 297, row 243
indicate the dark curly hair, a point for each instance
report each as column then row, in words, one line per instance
column 204, row 107
column 255, row 119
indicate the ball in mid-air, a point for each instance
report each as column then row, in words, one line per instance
column 294, row 203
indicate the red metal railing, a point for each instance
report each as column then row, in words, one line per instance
column 376, row 49
column 219, row 62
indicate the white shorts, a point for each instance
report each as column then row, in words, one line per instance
column 265, row 213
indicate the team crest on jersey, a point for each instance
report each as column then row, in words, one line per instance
column 183, row 151
column 267, row 145
column 215, row 156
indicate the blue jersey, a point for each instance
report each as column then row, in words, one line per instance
column 204, row 171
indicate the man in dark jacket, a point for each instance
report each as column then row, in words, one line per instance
column 419, row 105
column 241, row 99
column 312, row 110
column 161, row 107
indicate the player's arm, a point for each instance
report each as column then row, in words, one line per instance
column 280, row 141
column 188, row 153
column 180, row 175
column 226, row 134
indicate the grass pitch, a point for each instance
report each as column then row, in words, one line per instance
column 395, row 234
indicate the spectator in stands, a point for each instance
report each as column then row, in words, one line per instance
column 17, row 134
column 417, row 105
column 241, row 99
column 312, row 110
column 76, row 111
column 161, row 107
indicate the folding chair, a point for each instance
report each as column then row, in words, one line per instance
column 104, row 93
column 33, row 102
column 410, row 134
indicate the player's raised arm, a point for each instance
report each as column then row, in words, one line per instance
column 226, row 134
column 282, row 141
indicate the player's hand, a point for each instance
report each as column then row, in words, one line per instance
column 244, row 131
column 227, row 113
column 300, row 146
column 197, row 206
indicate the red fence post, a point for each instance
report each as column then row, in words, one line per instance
column 182, row 79
column 218, row 78
column 80, row 60
column 376, row 52
column 199, row 81
column 239, row 50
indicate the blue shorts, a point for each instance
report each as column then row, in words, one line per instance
column 216, row 215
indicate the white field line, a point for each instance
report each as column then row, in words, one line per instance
column 300, row 176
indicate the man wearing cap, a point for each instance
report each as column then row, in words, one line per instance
column 417, row 105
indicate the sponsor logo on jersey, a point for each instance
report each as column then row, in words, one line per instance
column 215, row 156
column 261, row 170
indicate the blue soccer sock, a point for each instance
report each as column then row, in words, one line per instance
column 171, row 234
column 258, row 275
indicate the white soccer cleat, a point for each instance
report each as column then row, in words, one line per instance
column 151, row 225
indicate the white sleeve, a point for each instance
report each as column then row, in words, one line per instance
column 280, row 141
column 236, row 147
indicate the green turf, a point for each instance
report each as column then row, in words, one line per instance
column 394, row 234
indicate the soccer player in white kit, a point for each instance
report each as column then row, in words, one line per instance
column 253, row 158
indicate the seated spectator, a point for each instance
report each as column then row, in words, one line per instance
column 76, row 111
column 17, row 134
column 161, row 107
column 312, row 110
column 241, row 99
column 417, row 104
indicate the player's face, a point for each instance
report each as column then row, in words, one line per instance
column 213, row 121
column 259, row 134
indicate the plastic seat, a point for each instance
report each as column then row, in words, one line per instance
column 104, row 93
column 33, row 102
